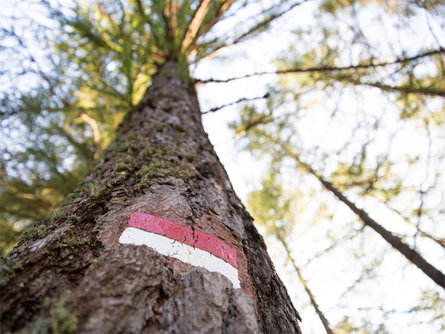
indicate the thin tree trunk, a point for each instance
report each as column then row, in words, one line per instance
column 72, row 273
column 314, row 303
column 409, row 253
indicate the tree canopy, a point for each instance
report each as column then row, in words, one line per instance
column 348, row 98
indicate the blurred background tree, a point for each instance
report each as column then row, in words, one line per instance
column 359, row 108
column 355, row 93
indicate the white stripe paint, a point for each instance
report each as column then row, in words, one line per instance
column 185, row 253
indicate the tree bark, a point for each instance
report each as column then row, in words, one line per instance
column 70, row 273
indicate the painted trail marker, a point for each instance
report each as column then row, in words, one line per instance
column 172, row 239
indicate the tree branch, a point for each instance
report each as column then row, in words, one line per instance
column 195, row 23
column 329, row 68
column 147, row 19
column 96, row 132
column 214, row 18
column 244, row 99
column 409, row 253
column 405, row 89
column 320, row 314
column 256, row 28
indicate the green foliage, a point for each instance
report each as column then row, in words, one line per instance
column 10, row 232
column 434, row 301
column 346, row 326
column 70, row 126
column 270, row 206
column 405, row 8
column 9, row 266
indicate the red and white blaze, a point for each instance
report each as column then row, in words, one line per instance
column 172, row 239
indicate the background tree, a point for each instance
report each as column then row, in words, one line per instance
column 366, row 123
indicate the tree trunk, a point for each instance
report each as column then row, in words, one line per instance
column 397, row 243
column 290, row 258
column 75, row 271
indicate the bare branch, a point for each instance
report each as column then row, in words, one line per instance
column 438, row 241
column 317, row 309
column 244, row 99
column 330, row 68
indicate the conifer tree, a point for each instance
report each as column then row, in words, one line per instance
column 82, row 269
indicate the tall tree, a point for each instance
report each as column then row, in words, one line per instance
column 270, row 208
column 83, row 268
column 365, row 114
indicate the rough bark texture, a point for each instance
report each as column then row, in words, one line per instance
column 70, row 273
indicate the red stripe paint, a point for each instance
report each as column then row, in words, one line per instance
column 175, row 231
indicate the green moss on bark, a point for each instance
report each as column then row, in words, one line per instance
column 162, row 164
column 10, row 265
column 60, row 320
